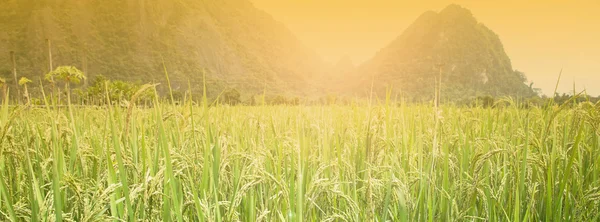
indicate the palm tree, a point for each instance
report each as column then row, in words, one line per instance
column 23, row 82
column 68, row 74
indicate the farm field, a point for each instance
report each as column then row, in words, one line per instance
column 299, row 111
column 300, row 163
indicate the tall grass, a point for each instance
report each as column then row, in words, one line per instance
column 334, row 163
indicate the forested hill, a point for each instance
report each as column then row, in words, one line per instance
column 238, row 45
column 471, row 58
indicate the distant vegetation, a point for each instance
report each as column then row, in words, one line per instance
column 101, row 90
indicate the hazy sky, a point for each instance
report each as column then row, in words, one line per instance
column 540, row 36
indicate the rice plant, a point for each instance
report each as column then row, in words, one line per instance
column 380, row 162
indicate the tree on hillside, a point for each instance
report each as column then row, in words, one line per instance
column 231, row 97
column 23, row 82
column 69, row 75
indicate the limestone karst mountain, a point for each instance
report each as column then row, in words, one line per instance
column 238, row 45
column 469, row 56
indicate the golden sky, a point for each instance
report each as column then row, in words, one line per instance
column 540, row 36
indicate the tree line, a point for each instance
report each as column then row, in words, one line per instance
column 63, row 86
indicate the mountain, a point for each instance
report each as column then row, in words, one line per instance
column 236, row 44
column 469, row 56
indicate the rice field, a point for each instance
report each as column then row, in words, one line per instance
column 379, row 162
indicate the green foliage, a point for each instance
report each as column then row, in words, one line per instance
column 278, row 100
column 24, row 81
column 283, row 100
column 68, row 74
column 231, row 97
column 568, row 99
column 485, row 101
column 117, row 91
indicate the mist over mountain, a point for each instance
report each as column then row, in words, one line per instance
column 236, row 44
column 469, row 56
